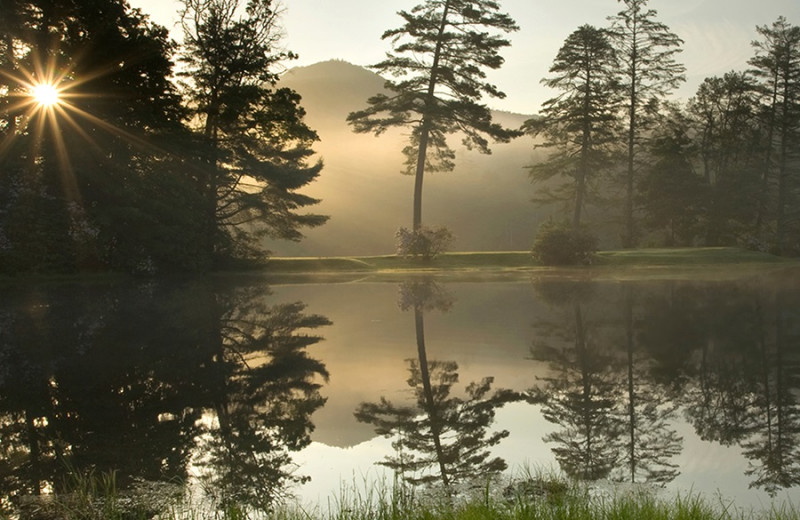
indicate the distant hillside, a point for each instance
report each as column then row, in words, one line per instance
column 485, row 201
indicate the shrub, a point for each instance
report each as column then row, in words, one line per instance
column 558, row 243
column 424, row 242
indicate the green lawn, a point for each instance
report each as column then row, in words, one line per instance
column 522, row 261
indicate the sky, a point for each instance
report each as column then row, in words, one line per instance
column 717, row 35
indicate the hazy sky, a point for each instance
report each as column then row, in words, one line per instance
column 717, row 34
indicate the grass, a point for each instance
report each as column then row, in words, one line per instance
column 521, row 261
column 688, row 256
column 533, row 497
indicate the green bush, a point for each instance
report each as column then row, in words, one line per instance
column 424, row 242
column 558, row 243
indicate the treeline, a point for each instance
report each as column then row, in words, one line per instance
column 144, row 166
column 720, row 169
column 130, row 170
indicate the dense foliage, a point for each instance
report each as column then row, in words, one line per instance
column 722, row 169
column 115, row 175
column 560, row 243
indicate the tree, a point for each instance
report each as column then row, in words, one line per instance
column 579, row 122
column 673, row 195
column 777, row 67
column 646, row 50
column 84, row 186
column 441, row 53
column 730, row 145
column 256, row 146
column 647, row 414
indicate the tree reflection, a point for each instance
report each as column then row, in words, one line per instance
column 131, row 378
column 440, row 437
column 614, row 419
column 773, row 446
column 651, row 440
column 739, row 370
column 267, row 389
column 581, row 394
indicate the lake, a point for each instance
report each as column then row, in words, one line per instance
column 261, row 388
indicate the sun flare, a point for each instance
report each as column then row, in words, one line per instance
column 45, row 94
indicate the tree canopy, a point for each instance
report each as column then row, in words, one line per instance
column 440, row 57
column 125, row 171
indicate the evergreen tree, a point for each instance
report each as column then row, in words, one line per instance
column 673, row 196
column 646, row 49
column 729, row 143
column 777, row 67
column 83, row 185
column 439, row 430
column 256, row 146
column 580, row 122
column 441, row 54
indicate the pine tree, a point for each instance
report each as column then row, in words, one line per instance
column 256, row 146
column 580, row 122
column 440, row 57
column 646, row 49
column 777, row 67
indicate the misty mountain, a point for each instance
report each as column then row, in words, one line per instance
column 485, row 201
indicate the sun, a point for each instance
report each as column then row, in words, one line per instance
column 46, row 94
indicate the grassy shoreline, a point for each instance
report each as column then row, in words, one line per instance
column 538, row 497
column 522, row 261
column 708, row 262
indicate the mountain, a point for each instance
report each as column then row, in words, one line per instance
column 485, row 201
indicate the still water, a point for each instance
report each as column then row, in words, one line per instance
column 260, row 390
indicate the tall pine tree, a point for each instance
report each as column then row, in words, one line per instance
column 776, row 65
column 579, row 123
column 256, row 146
column 440, row 57
column 646, row 49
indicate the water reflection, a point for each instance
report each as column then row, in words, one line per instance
column 739, row 379
column 628, row 361
column 440, row 438
column 154, row 382
column 674, row 383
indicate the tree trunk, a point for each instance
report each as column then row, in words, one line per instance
column 425, row 127
column 628, row 240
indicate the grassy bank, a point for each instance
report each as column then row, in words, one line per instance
column 522, row 261
column 550, row 498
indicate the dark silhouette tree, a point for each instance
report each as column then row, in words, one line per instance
column 146, row 379
column 263, row 407
column 650, row 440
column 580, row 123
column 580, row 397
column 773, row 446
column 646, row 50
column 256, row 146
column 441, row 54
column 85, row 183
column 615, row 417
